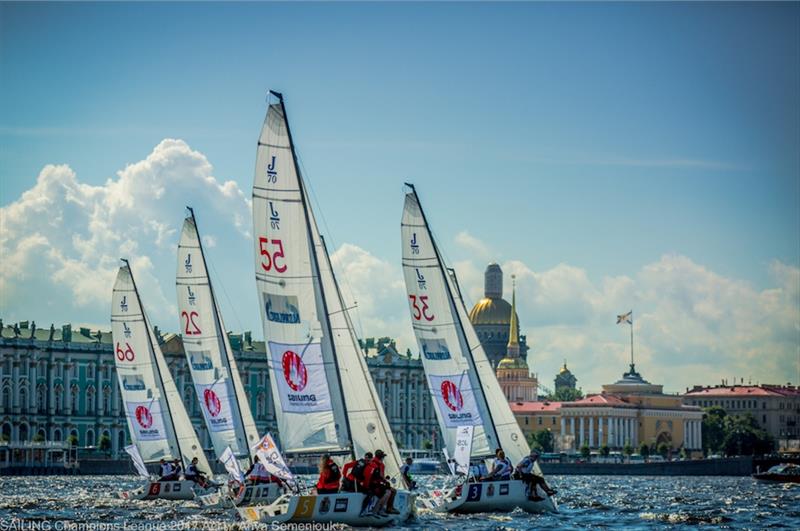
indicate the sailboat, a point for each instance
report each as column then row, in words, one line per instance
column 157, row 420
column 212, row 365
column 460, row 377
column 324, row 397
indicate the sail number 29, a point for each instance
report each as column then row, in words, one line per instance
column 420, row 312
column 270, row 261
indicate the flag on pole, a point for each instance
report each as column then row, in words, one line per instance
column 232, row 465
column 463, row 448
column 138, row 462
column 269, row 455
column 625, row 318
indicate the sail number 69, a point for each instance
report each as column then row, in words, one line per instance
column 271, row 261
column 418, row 312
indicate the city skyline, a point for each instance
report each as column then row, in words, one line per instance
column 656, row 170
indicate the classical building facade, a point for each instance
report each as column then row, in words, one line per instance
column 59, row 383
column 491, row 319
column 565, row 379
column 630, row 411
column 776, row 408
column 512, row 371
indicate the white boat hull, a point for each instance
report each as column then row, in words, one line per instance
column 341, row 508
column 262, row 494
column 495, row 496
column 164, row 490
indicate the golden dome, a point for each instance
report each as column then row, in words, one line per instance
column 564, row 369
column 512, row 363
column 491, row 311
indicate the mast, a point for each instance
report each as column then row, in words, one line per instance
column 221, row 332
column 468, row 353
column 314, row 262
column 158, row 368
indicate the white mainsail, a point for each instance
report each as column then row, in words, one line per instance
column 208, row 352
column 464, row 387
column 305, row 384
column 157, row 419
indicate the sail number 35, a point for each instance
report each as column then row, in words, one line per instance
column 270, row 261
column 420, row 312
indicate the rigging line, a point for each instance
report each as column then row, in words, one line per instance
column 334, row 245
column 220, row 283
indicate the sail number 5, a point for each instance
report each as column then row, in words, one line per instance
column 125, row 355
column 271, row 261
column 418, row 312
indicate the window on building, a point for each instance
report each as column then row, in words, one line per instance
column 764, row 419
column 106, row 400
column 41, row 399
column 90, row 402
column 554, row 421
column 59, row 398
column 540, row 420
column 23, row 398
column 73, row 398
column 7, row 397
column 527, row 418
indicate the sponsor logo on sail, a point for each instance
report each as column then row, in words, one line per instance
column 123, row 304
column 200, row 360
column 133, row 383
column 213, row 405
column 143, row 417
column 281, row 308
column 452, row 395
column 187, row 264
column 435, row 349
column 191, row 298
column 294, row 371
column 272, row 173
column 414, row 244
column 274, row 218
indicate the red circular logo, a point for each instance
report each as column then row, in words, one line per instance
column 452, row 396
column 294, row 371
column 143, row 417
column 213, row 405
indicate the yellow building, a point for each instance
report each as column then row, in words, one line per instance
column 629, row 411
column 512, row 371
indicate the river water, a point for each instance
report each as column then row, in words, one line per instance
column 63, row 503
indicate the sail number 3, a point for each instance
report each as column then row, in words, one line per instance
column 418, row 312
column 270, row 261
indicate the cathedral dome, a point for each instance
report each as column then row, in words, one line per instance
column 491, row 311
column 512, row 363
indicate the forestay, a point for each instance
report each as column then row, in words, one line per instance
column 208, row 352
column 444, row 349
column 157, row 420
column 305, row 384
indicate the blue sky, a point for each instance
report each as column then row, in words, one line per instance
column 599, row 136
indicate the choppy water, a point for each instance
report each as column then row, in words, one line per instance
column 64, row 503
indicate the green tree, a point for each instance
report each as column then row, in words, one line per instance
column 105, row 443
column 541, row 440
column 585, row 451
column 38, row 438
column 605, row 450
column 427, row 445
column 565, row 394
column 683, row 453
column 713, row 429
column 627, row 449
column 744, row 437
column 663, row 450
column 72, row 440
column 644, row 450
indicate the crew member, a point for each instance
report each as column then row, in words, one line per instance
column 257, row 473
column 177, row 468
column 194, row 474
column 376, row 482
column 502, row 467
column 329, row 476
column 527, row 471
column 405, row 472
column 478, row 472
column 348, row 481
column 167, row 471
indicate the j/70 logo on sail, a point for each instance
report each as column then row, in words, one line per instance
column 187, row 264
column 213, row 405
column 294, row 371
column 414, row 244
column 272, row 173
column 191, row 297
column 123, row 304
column 452, row 396
column 143, row 417
column 274, row 218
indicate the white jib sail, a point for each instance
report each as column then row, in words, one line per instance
column 157, row 419
column 208, row 352
column 512, row 440
column 369, row 427
column 452, row 381
column 305, row 384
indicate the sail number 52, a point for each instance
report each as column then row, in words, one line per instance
column 270, row 261
column 420, row 312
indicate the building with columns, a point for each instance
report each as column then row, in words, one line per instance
column 631, row 411
column 60, row 383
column 512, row 371
column 491, row 319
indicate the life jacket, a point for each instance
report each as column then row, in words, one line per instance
column 330, row 476
column 373, row 469
column 166, row 469
column 526, row 465
column 191, row 470
column 502, row 468
column 358, row 470
column 347, row 470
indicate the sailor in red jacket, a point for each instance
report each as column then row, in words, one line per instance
column 329, row 476
column 376, row 483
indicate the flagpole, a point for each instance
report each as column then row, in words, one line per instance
column 631, row 339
